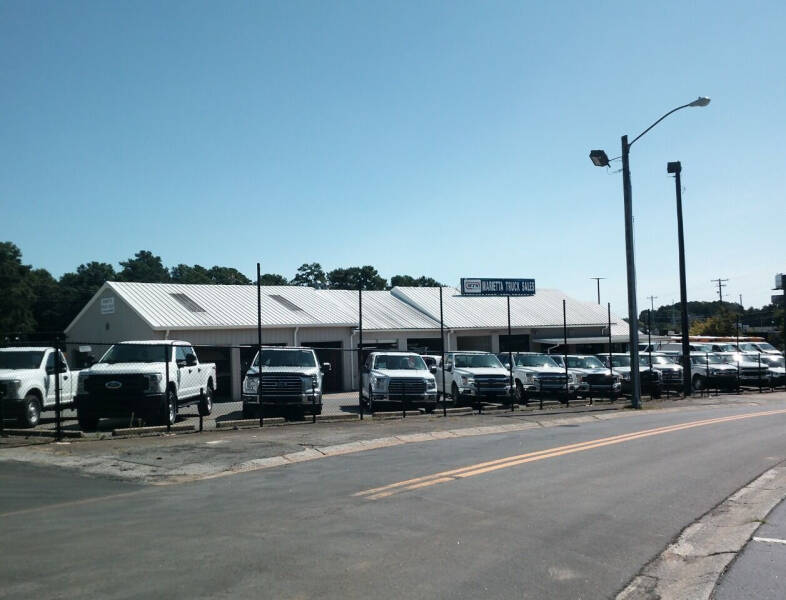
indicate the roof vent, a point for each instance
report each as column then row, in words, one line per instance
column 188, row 303
column 286, row 303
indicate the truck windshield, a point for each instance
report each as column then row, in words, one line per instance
column 621, row 361
column 644, row 359
column 135, row 353
column 395, row 362
column 286, row 358
column 476, row 361
column 705, row 359
column 21, row 359
column 772, row 360
column 534, row 360
column 584, row 362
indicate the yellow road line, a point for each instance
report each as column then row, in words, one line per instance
column 511, row 461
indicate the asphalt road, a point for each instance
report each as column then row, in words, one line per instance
column 578, row 522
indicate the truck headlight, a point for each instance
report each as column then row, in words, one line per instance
column 626, row 376
column 467, row 380
column 431, row 384
column 251, row 384
column 378, row 383
column 154, row 382
column 310, row 382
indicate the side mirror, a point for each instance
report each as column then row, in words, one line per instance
column 180, row 363
column 449, row 368
column 326, row 367
column 90, row 360
column 433, row 369
column 50, row 370
column 191, row 360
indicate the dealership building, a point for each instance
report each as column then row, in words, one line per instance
column 221, row 322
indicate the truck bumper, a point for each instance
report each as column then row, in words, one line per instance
column 146, row 406
column 304, row 400
column 424, row 399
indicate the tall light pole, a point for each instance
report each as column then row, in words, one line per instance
column 600, row 159
column 676, row 169
column 598, row 280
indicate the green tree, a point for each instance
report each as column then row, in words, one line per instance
column 227, row 276
column 310, row 275
column 409, row 281
column 16, row 296
column 185, row 274
column 78, row 287
column 352, row 278
column 49, row 310
column 724, row 323
column 145, row 267
column 273, row 279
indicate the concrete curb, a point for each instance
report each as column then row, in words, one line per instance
column 155, row 429
column 243, row 423
column 66, row 433
column 395, row 414
column 692, row 565
column 337, row 418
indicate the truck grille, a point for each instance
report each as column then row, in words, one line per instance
column 753, row 372
column 401, row 386
column 281, row 384
column 492, row 382
column 550, row 380
column 116, row 384
column 598, row 379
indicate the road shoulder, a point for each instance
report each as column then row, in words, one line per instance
column 691, row 566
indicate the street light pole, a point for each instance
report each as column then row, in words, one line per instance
column 598, row 280
column 600, row 159
column 676, row 168
column 630, row 263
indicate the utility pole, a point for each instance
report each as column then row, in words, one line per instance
column 652, row 308
column 598, row 280
column 721, row 284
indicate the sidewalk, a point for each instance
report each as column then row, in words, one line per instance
column 760, row 569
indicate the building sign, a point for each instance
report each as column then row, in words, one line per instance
column 108, row 305
column 497, row 287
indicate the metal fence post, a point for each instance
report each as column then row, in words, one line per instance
column 758, row 356
column 167, row 358
column 707, row 369
column 360, row 353
column 442, row 355
column 202, row 399
column 510, row 358
column 313, row 400
column 58, row 369
column 259, row 347
column 565, row 340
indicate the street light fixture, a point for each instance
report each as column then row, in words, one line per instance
column 600, row 159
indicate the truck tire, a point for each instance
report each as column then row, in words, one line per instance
column 521, row 395
column 31, row 411
column 698, row 383
column 454, row 393
column 206, row 402
column 86, row 422
column 248, row 411
column 369, row 401
column 169, row 408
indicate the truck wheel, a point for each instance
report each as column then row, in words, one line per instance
column 169, row 408
column 520, row 393
column 31, row 414
column 369, row 401
column 87, row 423
column 206, row 403
column 248, row 411
column 454, row 393
column 698, row 383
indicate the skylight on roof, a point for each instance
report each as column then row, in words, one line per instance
column 187, row 303
column 286, row 303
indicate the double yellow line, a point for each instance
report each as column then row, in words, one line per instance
column 520, row 459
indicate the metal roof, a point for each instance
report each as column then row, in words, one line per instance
column 544, row 309
column 600, row 339
column 230, row 306
column 381, row 310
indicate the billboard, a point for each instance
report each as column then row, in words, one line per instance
column 482, row 286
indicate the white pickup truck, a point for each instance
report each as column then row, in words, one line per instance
column 538, row 373
column 473, row 376
column 131, row 380
column 281, row 378
column 400, row 377
column 28, row 385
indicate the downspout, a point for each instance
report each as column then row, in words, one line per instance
column 352, row 360
column 294, row 336
column 166, row 334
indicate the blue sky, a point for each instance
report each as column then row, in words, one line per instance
column 446, row 139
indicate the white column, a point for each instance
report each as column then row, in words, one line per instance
column 495, row 343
